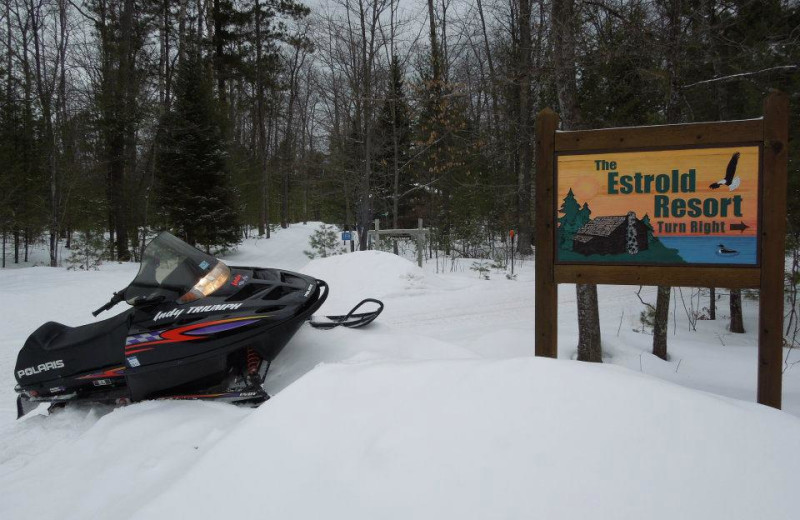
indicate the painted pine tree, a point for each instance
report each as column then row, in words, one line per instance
column 574, row 218
column 646, row 221
column 584, row 216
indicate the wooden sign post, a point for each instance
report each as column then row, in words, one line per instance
column 700, row 204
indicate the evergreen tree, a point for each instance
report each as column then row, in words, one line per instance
column 584, row 216
column 394, row 139
column 649, row 226
column 569, row 208
column 195, row 182
column 574, row 218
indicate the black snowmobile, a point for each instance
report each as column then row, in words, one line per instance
column 197, row 329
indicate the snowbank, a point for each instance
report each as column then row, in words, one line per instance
column 521, row 438
column 365, row 274
column 111, row 469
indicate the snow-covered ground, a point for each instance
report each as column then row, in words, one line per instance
column 437, row 410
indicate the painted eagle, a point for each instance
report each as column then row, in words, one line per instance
column 730, row 180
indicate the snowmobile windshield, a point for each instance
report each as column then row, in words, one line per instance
column 171, row 269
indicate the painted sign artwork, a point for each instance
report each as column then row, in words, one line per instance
column 690, row 206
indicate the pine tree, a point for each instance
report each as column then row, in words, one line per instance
column 195, row 181
column 649, row 226
column 574, row 218
column 569, row 208
column 584, row 216
column 394, row 138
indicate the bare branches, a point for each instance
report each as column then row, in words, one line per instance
column 741, row 75
column 83, row 13
column 605, row 7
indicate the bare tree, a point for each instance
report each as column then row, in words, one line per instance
column 525, row 129
column 673, row 111
column 565, row 26
column 48, row 53
column 737, row 323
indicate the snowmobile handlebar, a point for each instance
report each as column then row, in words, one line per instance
column 118, row 297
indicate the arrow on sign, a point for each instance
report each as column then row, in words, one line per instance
column 741, row 227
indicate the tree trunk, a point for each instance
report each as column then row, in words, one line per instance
column 565, row 22
column 660, row 323
column 712, row 303
column 490, row 62
column 218, row 51
column 368, row 34
column 288, row 164
column 673, row 111
column 117, row 100
column 436, row 85
column 306, row 169
column 737, row 324
column 45, row 92
column 261, row 146
column 435, row 62
column 589, row 346
column 525, row 132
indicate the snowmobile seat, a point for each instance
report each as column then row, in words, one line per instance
column 56, row 336
column 80, row 349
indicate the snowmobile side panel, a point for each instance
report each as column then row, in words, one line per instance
column 179, row 376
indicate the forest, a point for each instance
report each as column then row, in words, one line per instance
column 219, row 119
column 222, row 117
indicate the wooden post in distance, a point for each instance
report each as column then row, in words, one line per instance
column 420, row 242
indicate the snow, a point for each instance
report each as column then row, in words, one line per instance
column 517, row 438
column 108, row 469
column 436, row 410
column 366, row 274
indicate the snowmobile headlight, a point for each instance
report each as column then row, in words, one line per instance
column 215, row 279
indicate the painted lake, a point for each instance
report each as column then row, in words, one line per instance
column 704, row 250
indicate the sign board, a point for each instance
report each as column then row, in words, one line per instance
column 692, row 206
column 346, row 236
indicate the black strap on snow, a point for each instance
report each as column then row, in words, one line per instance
column 352, row 319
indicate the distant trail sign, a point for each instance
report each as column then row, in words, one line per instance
column 673, row 207
column 697, row 205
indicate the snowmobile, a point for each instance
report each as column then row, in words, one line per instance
column 196, row 329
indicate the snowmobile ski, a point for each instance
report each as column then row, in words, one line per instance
column 352, row 319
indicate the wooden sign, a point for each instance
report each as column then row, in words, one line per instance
column 671, row 207
column 692, row 205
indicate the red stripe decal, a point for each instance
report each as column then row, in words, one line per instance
column 112, row 372
column 179, row 334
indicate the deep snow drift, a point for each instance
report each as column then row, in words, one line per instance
column 520, row 438
column 436, row 410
